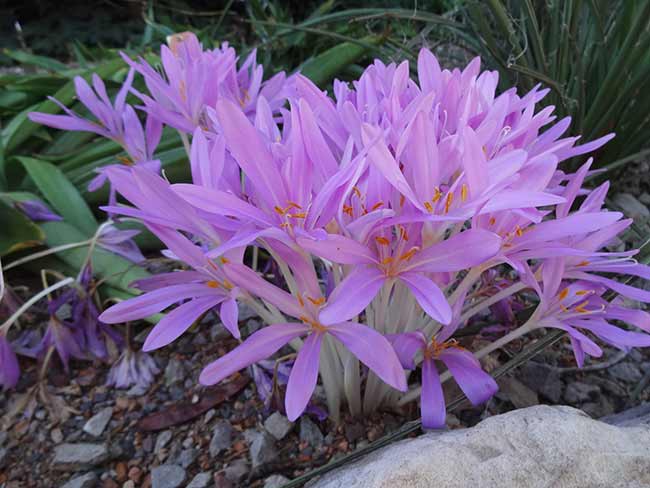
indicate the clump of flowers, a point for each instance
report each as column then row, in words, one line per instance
column 391, row 210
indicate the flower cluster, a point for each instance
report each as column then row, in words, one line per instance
column 397, row 212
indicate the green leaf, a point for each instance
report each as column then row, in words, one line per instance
column 18, row 232
column 34, row 60
column 113, row 269
column 328, row 64
column 61, row 194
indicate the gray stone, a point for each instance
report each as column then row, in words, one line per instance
column 578, row 392
column 278, row 425
column 275, row 481
column 201, row 480
column 83, row 454
column 187, row 457
column 310, row 433
column 262, row 449
column 167, row 476
column 221, row 438
column 174, row 372
column 627, row 372
column 162, row 440
column 537, row 447
column 631, row 206
column 236, row 471
column 3, row 438
column 3, row 456
column 97, row 423
column 516, row 392
column 88, row 480
column 542, row 379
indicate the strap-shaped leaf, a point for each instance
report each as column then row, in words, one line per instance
column 61, row 194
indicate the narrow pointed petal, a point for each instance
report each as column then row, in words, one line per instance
column 407, row 345
column 258, row 346
column 178, row 321
column 338, row 249
column 477, row 385
column 304, row 374
column 373, row 350
column 461, row 251
column 432, row 400
column 352, row 295
column 229, row 314
column 429, row 296
column 152, row 302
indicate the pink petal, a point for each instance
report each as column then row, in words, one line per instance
column 178, row 321
column 302, row 379
column 229, row 314
column 152, row 302
column 373, row 350
column 432, row 400
column 338, row 249
column 429, row 296
column 477, row 385
column 258, row 346
column 461, row 251
column 352, row 295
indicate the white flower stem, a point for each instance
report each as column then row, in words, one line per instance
column 46, row 252
column 5, row 326
column 506, row 292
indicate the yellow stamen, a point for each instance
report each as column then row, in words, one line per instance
column 224, row 260
column 293, row 205
column 377, row 205
column 563, row 294
column 402, row 199
column 403, row 234
column 409, row 254
column 347, row 209
column 518, row 231
column 448, row 200
column 356, row 191
column 212, row 284
column 387, row 260
column 279, row 210
column 436, row 194
column 581, row 307
column 492, row 221
column 301, row 215
column 301, row 301
column 429, row 207
column 228, row 285
column 316, row 301
column 463, row 192
column 583, row 263
column 382, row 240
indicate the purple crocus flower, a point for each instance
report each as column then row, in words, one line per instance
column 381, row 261
column 9, row 367
column 477, row 385
column 369, row 346
column 204, row 288
column 37, row 211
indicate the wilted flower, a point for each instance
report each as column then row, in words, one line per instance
column 37, row 211
column 9, row 367
column 132, row 368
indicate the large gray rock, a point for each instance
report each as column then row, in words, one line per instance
column 88, row 480
column 539, row 446
column 97, row 423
